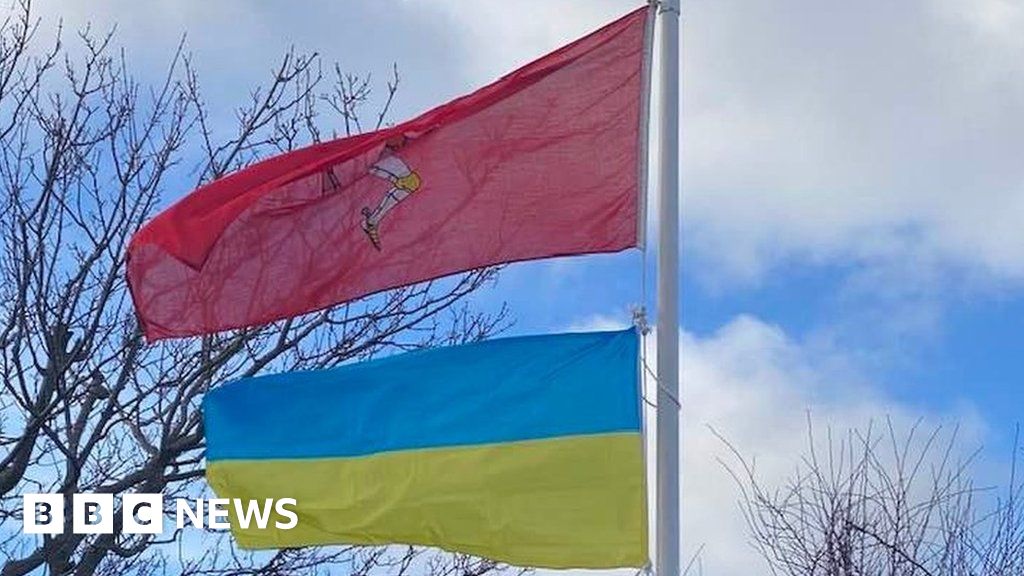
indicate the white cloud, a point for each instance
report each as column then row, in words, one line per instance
column 501, row 36
column 826, row 132
column 814, row 133
column 600, row 323
column 759, row 388
column 756, row 386
column 847, row 132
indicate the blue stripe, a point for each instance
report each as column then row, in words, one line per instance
column 504, row 390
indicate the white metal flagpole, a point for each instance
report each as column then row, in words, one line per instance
column 667, row 491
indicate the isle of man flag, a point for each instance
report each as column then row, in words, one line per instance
column 547, row 161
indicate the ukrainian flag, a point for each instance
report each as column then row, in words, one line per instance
column 523, row 450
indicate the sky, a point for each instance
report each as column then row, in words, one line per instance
column 853, row 200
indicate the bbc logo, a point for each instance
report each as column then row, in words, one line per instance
column 93, row 514
column 144, row 513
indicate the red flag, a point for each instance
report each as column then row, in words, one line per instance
column 547, row 161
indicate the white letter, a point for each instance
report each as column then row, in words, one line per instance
column 142, row 513
column 244, row 516
column 291, row 515
column 218, row 509
column 43, row 513
column 92, row 513
column 183, row 509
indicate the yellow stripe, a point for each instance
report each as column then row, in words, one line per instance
column 573, row 502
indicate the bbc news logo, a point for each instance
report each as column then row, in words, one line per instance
column 144, row 513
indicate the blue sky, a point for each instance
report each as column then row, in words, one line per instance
column 853, row 196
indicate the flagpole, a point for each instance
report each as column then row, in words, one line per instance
column 667, row 490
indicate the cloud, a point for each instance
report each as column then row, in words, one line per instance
column 236, row 44
column 842, row 132
column 827, row 132
column 815, row 133
column 757, row 387
column 501, row 36
column 600, row 323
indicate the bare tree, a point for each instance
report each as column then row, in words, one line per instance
column 86, row 151
column 884, row 502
